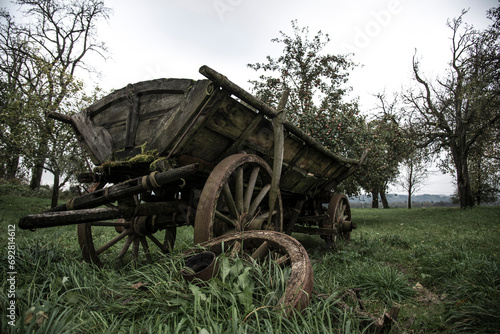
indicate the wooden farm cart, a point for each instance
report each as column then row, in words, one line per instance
column 174, row 152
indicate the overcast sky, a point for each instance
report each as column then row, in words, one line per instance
column 174, row 38
column 149, row 39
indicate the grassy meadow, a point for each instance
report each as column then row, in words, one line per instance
column 439, row 266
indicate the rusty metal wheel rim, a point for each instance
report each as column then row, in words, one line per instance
column 235, row 197
column 300, row 284
column 133, row 239
column 339, row 212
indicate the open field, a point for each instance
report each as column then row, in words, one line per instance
column 440, row 266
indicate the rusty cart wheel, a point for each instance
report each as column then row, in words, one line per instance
column 130, row 239
column 339, row 219
column 235, row 198
column 285, row 251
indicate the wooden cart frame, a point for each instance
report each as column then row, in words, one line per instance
column 224, row 162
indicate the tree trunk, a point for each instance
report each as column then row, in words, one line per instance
column 375, row 199
column 55, row 190
column 409, row 198
column 40, row 156
column 385, row 202
column 11, row 168
column 465, row 196
column 36, row 176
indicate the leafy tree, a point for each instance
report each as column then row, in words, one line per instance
column 454, row 112
column 13, row 116
column 317, row 105
column 388, row 144
column 484, row 167
column 317, row 84
column 39, row 60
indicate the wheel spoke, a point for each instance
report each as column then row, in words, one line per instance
column 157, row 243
column 258, row 199
column 239, row 190
column 282, row 260
column 135, row 249
column 125, row 247
column 250, row 188
column 145, row 248
column 168, row 240
column 256, row 223
column 343, row 208
column 261, row 251
column 230, row 201
column 225, row 219
column 113, row 241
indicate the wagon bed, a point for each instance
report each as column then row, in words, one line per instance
column 203, row 121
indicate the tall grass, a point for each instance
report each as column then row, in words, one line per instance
column 452, row 254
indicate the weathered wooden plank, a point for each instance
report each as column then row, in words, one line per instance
column 174, row 86
column 313, row 161
column 73, row 217
column 262, row 138
column 96, row 140
column 290, row 177
column 207, row 145
column 169, row 129
column 231, row 118
column 305, row 184
column 132, row 121
column 239, row 142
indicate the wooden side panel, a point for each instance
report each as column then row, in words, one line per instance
column 169, row 86
column 226, row 126
column 207, row 145
column 125, row 118
column 305, row 184
column 153, row 108
column 169, row 129
column 313, row 162
column 235, row 121
column 95, row 139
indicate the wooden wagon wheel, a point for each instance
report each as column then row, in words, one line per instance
column 132, row 236
column 339, row 219
column 286, row 251
column 236, row 198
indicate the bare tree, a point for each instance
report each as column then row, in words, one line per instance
column 453, row 112
column 414, row 174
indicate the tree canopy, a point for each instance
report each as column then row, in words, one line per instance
column 38, row 66
column 318, row 105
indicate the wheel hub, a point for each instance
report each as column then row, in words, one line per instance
column 144, row 225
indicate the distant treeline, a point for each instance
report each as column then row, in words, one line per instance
column 401, row 201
